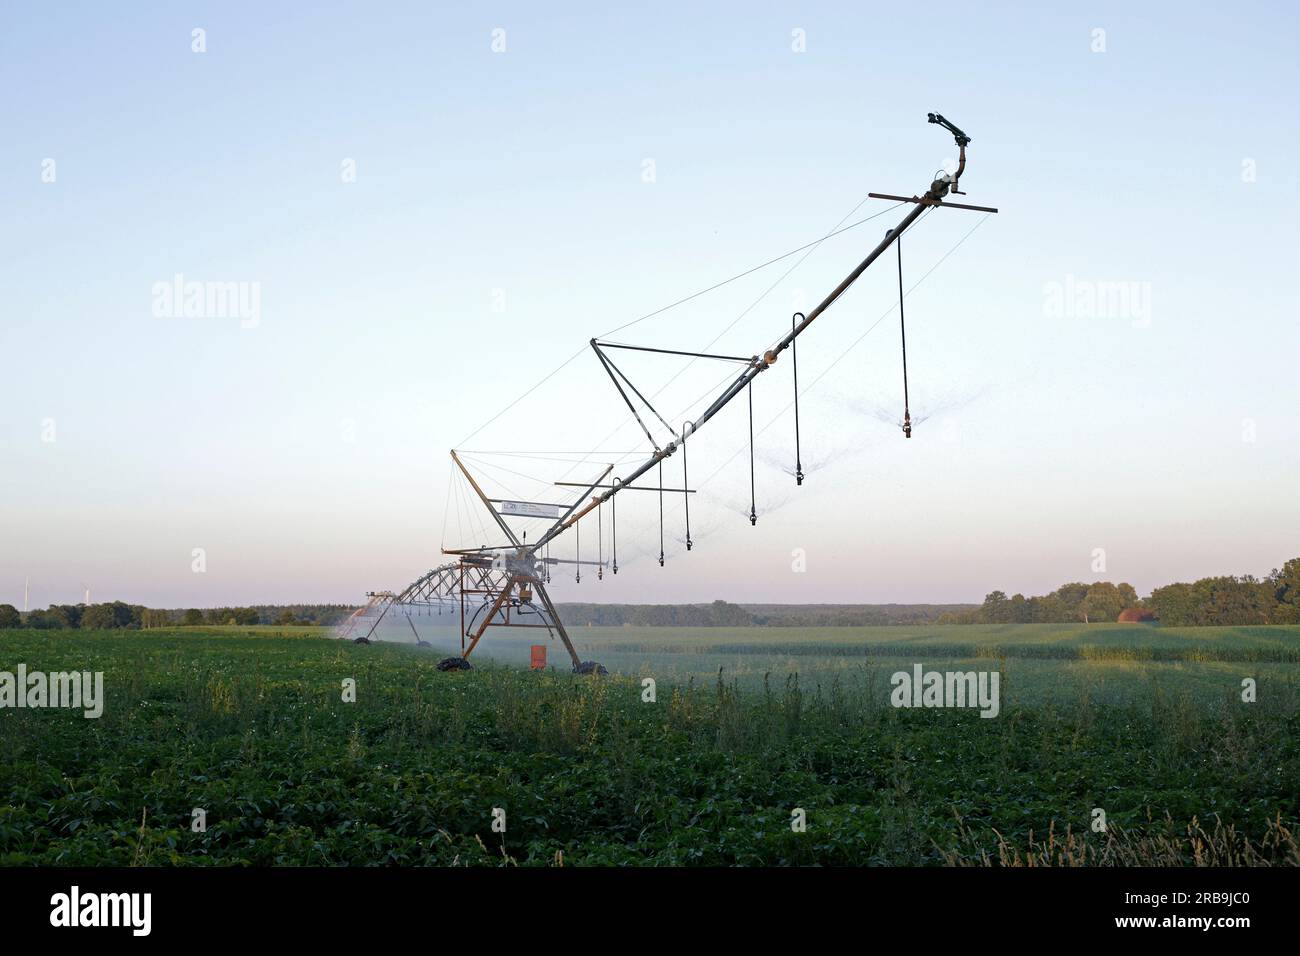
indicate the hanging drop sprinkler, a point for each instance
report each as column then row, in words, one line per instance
column 794, row 360
column 613, row 523
column 661, row 512
column 753, row 513
column 687, row 428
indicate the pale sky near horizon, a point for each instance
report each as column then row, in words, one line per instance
column 508, row 205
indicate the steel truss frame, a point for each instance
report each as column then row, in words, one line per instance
column 506, row 577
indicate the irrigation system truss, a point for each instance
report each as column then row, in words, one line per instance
column 504, row 584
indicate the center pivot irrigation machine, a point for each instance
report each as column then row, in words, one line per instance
column 504, row 585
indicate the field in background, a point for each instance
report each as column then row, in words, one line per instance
column 1040, row 663
column 248, row 723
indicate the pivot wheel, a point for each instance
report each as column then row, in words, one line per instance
column 454, row 664
column 590, row 667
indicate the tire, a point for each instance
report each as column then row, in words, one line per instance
column 362, row 640
column 454, row 664
column 591, row 667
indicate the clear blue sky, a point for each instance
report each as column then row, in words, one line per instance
column 500, row 217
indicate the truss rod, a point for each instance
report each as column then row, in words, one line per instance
column 485, row 499
column 487, row 548
column 583, row 484
column 760, row 365
column 637, row 392
column 565, row 517
column 609, row 370
column 932, row 202
column 703, row 355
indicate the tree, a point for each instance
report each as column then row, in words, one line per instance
column 1071, row 596
column 1285, row 613
column 123, row 614
column 98, row 617
column 1048, row 609
column 996, row 608
column 1103, row 602
column 9, row 616
column 722, row 614
column 286, row 617
column 1172, row 604
column 1230, row 600
column 192, row 617
column 155, row 617
column 48, row 619
column 1286, row 583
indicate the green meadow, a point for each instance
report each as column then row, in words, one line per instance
column 1039, row 663
column 750, row 730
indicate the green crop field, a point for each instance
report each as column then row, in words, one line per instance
column 1040, row 663
column 250, row 726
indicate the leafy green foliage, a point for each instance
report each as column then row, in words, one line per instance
column 251, row 727
column 1209, row 602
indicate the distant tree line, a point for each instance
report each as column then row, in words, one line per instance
column 1275, row 599
column 117, row 614
column 1226, row 601
column 725, row 614
column 849, row 615
column 1221, row 601
column 717, row 614
column 1095, row 603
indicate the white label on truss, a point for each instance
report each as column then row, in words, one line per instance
column 529, row 509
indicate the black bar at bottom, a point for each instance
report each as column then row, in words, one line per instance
column 303, row 905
